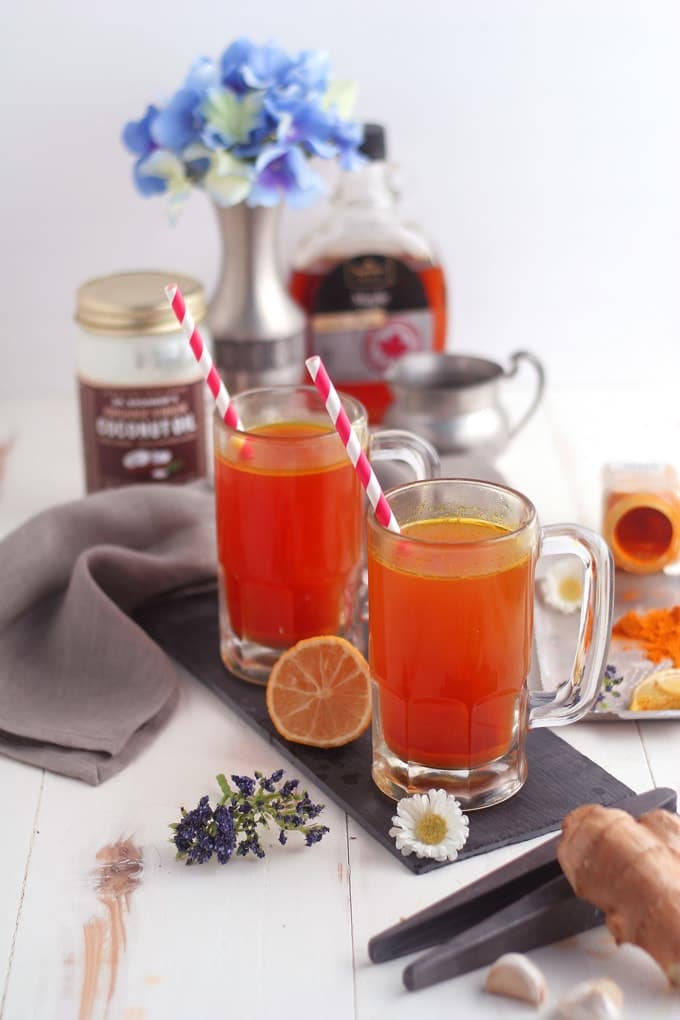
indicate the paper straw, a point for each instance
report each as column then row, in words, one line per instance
column 338, row 416
column 200, row 352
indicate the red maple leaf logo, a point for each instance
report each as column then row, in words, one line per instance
column 393, row 347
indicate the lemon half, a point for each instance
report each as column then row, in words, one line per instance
column 659, row 692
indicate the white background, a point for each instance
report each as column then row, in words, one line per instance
column 539, row 141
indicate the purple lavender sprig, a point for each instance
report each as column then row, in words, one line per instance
column 232, row 827
column 610, row 681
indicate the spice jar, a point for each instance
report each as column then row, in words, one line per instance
column 641, row 515
column 142, row 395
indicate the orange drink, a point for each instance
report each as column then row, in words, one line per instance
column 289, row 513
column 450, row 609
column 289, row 533
column 451, row 697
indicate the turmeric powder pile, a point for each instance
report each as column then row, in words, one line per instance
column 658, row 631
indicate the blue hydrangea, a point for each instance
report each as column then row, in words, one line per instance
column 283, row 169
column 137, row 137
column 270, row 112
column 180, row 123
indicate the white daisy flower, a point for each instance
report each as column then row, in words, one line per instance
column 430, row 825
column 562, row 585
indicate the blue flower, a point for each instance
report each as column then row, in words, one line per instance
column 202, row 75
column 283, row 170
column 137, row 138
column 244, row 127
column 348, row 137
column 148, row 183
column 245, row 785
column 225, row 178
column 246, row 66
column 269, row 782
column 225, row 837
column 180, row 123
column 234, row 58
column 309, row 73
column 323, row 133
column 315, row 835
column 265, row 66
column 204, row 832
column 164, row 169
column 232, row 827
column 137, row 133
column 230, row 120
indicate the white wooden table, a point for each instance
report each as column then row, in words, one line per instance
column 286, row 935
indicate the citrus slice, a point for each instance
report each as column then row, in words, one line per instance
column 319, row 692
column 669, row 682
column 658, row 692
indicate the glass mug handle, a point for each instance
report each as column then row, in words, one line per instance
column 576, row 696
column 403, row 447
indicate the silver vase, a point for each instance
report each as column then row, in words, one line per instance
column 258, row 330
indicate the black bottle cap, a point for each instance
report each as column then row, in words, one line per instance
column 373, row 145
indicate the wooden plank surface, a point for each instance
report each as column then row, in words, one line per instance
column 187, row 928
column 22, row 794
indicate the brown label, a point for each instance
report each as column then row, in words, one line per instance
column 155, row 434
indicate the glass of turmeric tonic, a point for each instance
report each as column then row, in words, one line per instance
column 290, row 523
column 451, row 636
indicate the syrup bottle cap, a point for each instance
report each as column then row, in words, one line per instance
column 374, row 144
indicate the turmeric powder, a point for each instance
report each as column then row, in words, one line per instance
column 658, row 631
column 631, row 871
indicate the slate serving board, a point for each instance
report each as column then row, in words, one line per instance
column 560, row 778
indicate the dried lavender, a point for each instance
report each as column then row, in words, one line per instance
column 233, row 825
column 608, row 685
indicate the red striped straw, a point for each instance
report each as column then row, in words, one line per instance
column 338, row 416
column 200, row 351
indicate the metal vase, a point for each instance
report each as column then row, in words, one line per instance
column 258, row 330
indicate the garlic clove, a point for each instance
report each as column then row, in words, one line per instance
column 601, row 999
column 516, row 977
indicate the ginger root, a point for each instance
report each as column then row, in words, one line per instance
column 630, row 870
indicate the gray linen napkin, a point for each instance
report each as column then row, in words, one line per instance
column 82, row 688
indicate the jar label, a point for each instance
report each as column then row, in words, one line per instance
column 367, row 312
column 155, row 434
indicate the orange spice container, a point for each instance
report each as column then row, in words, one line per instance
column 641, row 515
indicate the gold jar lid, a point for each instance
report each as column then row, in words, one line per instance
column 128, row 304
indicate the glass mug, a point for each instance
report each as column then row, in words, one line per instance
column 450, row 618
column 290, row 517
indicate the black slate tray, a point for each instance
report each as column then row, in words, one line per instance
column 560, row 778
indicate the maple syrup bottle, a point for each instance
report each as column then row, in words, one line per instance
column 371, row 284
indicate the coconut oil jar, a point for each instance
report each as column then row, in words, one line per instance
column 142, row 396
